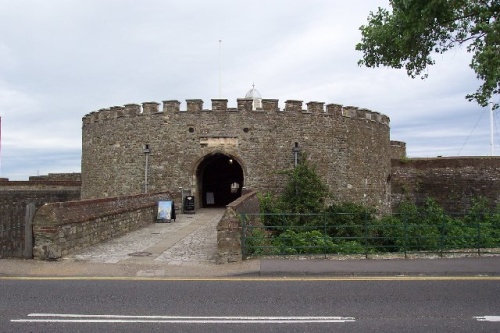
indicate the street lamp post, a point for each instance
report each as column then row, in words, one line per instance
column 296, row 151
column 146, row 150
column 182, row 199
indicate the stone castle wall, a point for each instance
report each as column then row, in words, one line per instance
column 452, row 181
column 398, row 150
column 350, row 146
column 14, row 198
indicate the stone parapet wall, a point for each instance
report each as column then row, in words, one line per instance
column 14, row 198
column 40, row 185
column 196, row 105
column 452, row 181
column 62, row 228
column 229, row 227
column 68, row 177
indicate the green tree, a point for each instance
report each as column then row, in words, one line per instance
column 304, row 192
column 303, row 196
column 408, row 35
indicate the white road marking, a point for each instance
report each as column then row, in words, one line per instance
column 81, row 318
column 487, row 318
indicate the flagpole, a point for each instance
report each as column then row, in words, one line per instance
column 220, row 68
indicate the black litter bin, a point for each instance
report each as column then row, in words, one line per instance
column 189, row 204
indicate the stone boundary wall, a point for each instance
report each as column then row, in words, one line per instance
column 75, row 176
column 62, row 228
column 229, row 228
column 39, row 185
column 452, row 181
column 15, row 196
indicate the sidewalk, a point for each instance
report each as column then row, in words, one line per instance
column 478, row 266
column 459, row 267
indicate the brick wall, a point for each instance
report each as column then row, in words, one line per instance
column 62, row 228
column 452, row 181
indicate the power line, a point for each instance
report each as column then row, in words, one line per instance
column 477, row 122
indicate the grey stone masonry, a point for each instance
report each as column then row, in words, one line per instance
column 349, row 146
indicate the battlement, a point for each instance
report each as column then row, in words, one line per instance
column 243, row 105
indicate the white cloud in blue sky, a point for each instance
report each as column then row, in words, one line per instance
column 62, row 59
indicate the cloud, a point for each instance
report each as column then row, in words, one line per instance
column 62, row 59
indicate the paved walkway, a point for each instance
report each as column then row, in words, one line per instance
column 191, row 239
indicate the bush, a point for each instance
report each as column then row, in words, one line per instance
column 307, row 242
column 348, row 220
column 259, row 242
column 297, row 222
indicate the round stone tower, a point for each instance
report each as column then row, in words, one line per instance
column 215, row 153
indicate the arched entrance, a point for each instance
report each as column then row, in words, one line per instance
column 220, row 180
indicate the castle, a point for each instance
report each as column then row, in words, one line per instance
column 135, row 155
column 214, row 154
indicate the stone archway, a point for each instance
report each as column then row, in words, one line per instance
column 219, row 180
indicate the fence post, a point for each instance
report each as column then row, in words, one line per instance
column 243, row 236
column 405, row 221
column 441, row 241
column 325, row 235
column 479, row 236
column 28, row 231
column 365, row 233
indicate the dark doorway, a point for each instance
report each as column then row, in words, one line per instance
column 221, row 180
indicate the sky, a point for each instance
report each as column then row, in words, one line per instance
column 62, row 59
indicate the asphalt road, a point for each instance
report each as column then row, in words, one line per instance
column 260, row 305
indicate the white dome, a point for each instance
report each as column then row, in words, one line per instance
column 253, row 94
column 257, row 99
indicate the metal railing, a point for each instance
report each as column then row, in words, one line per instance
column 339, row 234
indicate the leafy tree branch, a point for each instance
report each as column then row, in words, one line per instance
column 408, row 35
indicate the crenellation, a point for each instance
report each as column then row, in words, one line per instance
column 385, row 120
column 270, row 105
column 293, row 105
column 86, row 120
column 349, row 111
column 104, row 114
column 94, row 117
column 364, row 114
column 315, row 107
column 334, row 109
column 219, row 104
column 245, row 104
column 375, row 116
column 150, row 107
column 171, row 106
column 132, row 109
column 116, row 111
column 194, row 105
